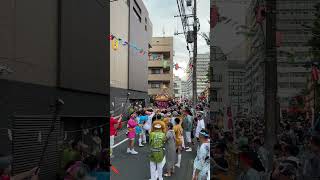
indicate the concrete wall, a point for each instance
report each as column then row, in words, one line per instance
column 138, row 65
column 29, row 46
column 85, row 45
column 119, row 26
column 28, row 36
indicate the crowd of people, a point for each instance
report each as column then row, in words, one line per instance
column 241, row 153
column 238, row 153
column 168, row 131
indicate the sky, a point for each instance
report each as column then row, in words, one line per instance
column 162, row 12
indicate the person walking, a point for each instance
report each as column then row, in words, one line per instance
column 187, row 127
column 170, row 150
column 114, row 125
column 178, row 131
column 200, row 125
column 201, row 165
column 157, row 156
column 132, row 123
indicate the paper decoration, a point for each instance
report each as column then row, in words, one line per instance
column 10, row 134
column 112, row 104
column 122, row 104
column 65, row 136
column 260, row 14
column 278, row 38
column 176, row 66
column 39, row 136
column 214, row 16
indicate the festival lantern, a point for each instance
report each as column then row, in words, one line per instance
column 115, row 44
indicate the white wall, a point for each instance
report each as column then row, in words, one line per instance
column 119, row 26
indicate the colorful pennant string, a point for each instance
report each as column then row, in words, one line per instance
column 115, row 41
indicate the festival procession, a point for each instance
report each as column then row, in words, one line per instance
column 196, row 90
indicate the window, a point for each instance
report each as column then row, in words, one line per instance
column 145, row 28
column 155, row 71
column 283, row 85
column 214, row 96
column 284, row 74
column 135, row 2
column 155, row 85
column 166, row 70
column 298, row 85
column 176, row 91
column 137, row 14
column 217, row 78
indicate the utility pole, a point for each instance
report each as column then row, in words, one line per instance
column 194, row 72
column 270, row 105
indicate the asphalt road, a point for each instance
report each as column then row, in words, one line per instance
column 136, row 167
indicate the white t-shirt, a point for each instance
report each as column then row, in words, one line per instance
column 148, row 124
column 200, row 126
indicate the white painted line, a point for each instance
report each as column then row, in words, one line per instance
column 126, row 139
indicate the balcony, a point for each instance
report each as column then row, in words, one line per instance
column 154, row 91
column 160, row 77
column 158, row 63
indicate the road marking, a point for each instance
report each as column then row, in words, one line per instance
column 126, row 139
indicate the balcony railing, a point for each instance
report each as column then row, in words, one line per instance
column 160, row 77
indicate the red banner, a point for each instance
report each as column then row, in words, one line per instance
column 214, row 16
column 315, row 73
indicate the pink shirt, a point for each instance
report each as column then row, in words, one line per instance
column 131, row 128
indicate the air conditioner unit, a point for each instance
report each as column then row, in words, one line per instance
column 189, row 2
column 190, row 37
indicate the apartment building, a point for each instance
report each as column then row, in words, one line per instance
column 219, row 81
column 177, row 87
column 236, row 86
column 291, row 14
column 184, row 92
column 160, row 66
column 203, row 61
column 128, row 69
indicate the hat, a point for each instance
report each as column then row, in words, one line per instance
column 175, row 113
column 5, row 161
column 157, row 126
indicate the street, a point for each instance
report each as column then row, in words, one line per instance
column 137, row 166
